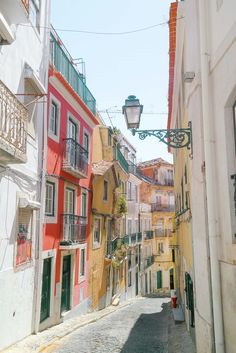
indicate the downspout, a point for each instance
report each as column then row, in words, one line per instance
column 39, row 260
column 211, row 188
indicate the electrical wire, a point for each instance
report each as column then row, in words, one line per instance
column 141, row 29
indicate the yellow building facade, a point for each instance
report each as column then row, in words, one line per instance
column 108, row 251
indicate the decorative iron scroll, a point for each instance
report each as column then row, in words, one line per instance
column 175, row 138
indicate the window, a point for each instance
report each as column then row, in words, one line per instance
column 97, row 231
column 129, row 226
column 86, row 141
column 136, row 193
column 84, row 202
column 72, row 129
column 24, row 236
column 34, row 7
column 54, row 117
column 129, row 260
column 108, row 277
column 105, row 190
column 129, row 191
column 82, row 262
column 69, row 201
column 136, row 226
column 129, row 279
column 50, row 199
column 160, row 248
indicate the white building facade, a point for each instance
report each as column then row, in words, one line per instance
column 24, row 48
column 205, row 94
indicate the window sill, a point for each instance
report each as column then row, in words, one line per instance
column 23, row 266
column 96, row 246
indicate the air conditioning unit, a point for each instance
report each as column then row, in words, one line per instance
column 6, row 34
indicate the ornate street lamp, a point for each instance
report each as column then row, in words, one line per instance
column 174, row 138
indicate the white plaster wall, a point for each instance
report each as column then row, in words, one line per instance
column 17, row 285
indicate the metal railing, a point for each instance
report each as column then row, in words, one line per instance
column 63, row 63
column 148, row 234
column 149, row 261
column 156, row 207
column 73, row 229
column 75, row 156
column 163, row 232
column 134, row 169
column 121, row 159
column 13, row 120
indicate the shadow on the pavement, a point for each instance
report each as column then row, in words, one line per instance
column 149, row 334
column 157, row 295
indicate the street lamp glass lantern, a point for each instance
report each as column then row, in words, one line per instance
column 132, row 111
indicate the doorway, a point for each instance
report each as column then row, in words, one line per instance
column 46, row 290
column 159, row 279
column 66, row 283
column 172, row 285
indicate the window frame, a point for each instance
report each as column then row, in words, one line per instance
column 53, row 185
column 105, row 190
column 82, row 276
column 30, row 238
column 97, row 244
column 51, row 134
column 86, row 132
column 84, row 192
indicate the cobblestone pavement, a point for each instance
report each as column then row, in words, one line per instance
column 146, row 326
column 140, row 325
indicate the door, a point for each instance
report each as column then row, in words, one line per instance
column 136, row 283
column 46, row 290
column 159, row 279
column 65, row 288
column 172, row 278
column 146, row 283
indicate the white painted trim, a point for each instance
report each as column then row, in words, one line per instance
column 53, row 219
column 70, row 116
column 82, row 278
column 90, row 141
column 67, row 96
column 97, row 245
column 52, row 254
column 58, row 103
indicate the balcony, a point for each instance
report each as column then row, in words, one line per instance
column 134, row 169
column 118, row 156
column 73, row 230
column 169, row 182
column 135, row 238
column 13, row 127
column 148, row 261
column 63, row 62
column 148, row 234
column 163, row 232
column 75, row 159
column 156, row 207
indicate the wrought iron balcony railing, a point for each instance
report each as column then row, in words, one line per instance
column 13, row 127
column 149, row 261
column 117, row 155
column 163, row 232
column 148, row 234
column 73, row 229
column 156, row 207
column 134, row 169
column 63, row 63
column 135, row 238
column 75, row 158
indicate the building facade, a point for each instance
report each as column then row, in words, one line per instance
column 24, row 43
column 65, row 252
column 203, row 93
column 159, row 193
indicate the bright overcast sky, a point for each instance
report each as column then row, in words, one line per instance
column 121, row 65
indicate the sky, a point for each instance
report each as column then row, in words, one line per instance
column 121, row 65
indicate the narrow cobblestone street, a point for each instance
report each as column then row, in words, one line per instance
column 145, row 326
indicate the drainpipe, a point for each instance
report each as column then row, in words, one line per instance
column 211, row 188
column 39, row 250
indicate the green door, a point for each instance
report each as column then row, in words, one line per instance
column 65, row 289
column 46, row 289
column 159, row 279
